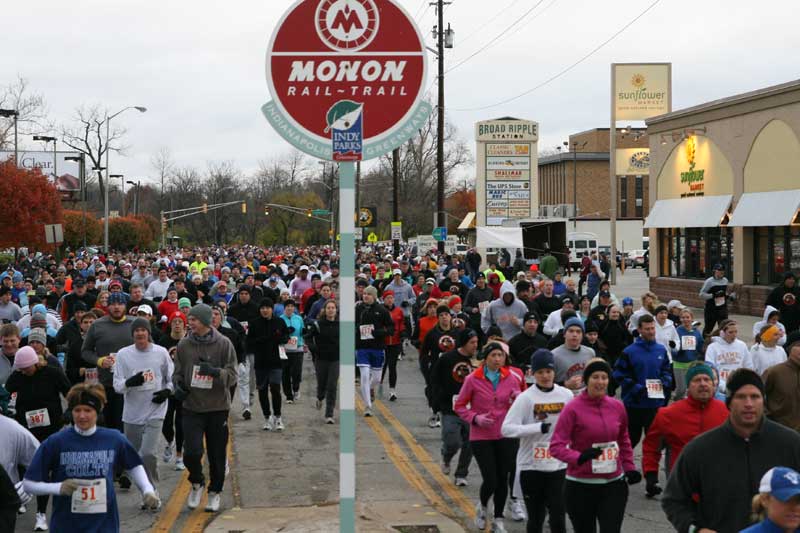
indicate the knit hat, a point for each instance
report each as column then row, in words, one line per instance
column 39, row 320
column 576, row 322
column 117, row 298
column 453, row 301
column 465, row 335
column 442, row 309
column 770, row 334
column 40, row 308
column 184, row 302
column 541, row 359
column 25, row 357
column 266, row 302
column 141, row 323
column 201, row 312
column 627, row 301
column 388, row 293
column 595, row 365
column 38, row 335
column 372, row 291
column 531, row 315
column 697, row 368
column 176, row 314
column 738, row 379
column 591, row 326
column 490, row 347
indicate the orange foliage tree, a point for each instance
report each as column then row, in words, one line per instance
column 31, row 201
column 74, row 226
column 458, row 205
column 125, row 233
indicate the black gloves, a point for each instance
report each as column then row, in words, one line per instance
column 633, row 477
column 161, row 396
column 672, row 344
column 180, row 394
column 290, row 329
column 545, row 427
column 135, row 380
column 208, row 370
column 651, row 484
column 588, row 454
column 404, row 304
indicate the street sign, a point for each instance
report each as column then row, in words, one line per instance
column 347, row 78
column 367, row 217
column 358, row 234
column 440, row 234
column 372, row 238
column 397, row 231
column 320, row 212
column 54, row 233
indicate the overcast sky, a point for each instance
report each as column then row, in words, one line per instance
column 199, row 66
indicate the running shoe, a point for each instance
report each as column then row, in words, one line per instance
column 438, row 420
column 498, row 526
column 480, row 517
column 278, row 424
column 329, row 420
column 461, row 482
column 269, row 425
column 392, row 396
column 41, row 522
column 124, row 482
column 168, row 453
column 290, row 400
column 212, row 506
column 179, row 464
column 367, row 412
column 445, row 468
column 296, row 395
column 22, row 509
column 432, row 421
column 246, row 414
column 195, row 495
column 517, row 510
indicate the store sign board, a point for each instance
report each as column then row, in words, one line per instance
column 507, row 130
column 508, row 163
column 633, row 161
column 641, row 90
column 508, row 150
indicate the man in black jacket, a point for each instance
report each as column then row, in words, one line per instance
column 373, row 325
column 718, row 473
column 447, row 376
column 264, row 338
column 522, row 346
column 786, row 299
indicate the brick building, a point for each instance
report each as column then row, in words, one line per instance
column 584, row 165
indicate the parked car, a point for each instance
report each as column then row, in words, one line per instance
column 635, row 258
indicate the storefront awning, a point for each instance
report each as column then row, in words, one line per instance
column 496, row 237
column 468, row 222
column 694, row 212
column 776, row 208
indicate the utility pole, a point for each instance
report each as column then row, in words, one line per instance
column 440, row 220
column 396, row 195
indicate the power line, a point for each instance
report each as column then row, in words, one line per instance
column 419, row 9
column 536, row 16
column 484, row 24
column 567, row 69
column 498, row 36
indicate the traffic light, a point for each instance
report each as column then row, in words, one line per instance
column 308, row 213
column 244, row 208
column 205, row 208
column 266, row 210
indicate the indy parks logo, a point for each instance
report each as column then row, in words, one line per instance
column 345, row 122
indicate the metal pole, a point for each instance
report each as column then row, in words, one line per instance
column 163, row 231
column 396, row 195
column 83, row 195
column 440, row 126
column 55, row 163
column 105, row 195
column 612, row 171
column 124, row 211
column 16, row 139
column 575, row 185
column 347, row 342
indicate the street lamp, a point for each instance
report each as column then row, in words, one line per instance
column 47, row 139
column 140, row 109
column 13, row 113
column 82, row 175
column 135, row 184
column 120, row 177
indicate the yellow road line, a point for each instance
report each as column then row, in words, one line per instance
column 425, row 459
column 199, row 518
column 403, row 464
column 170, row 511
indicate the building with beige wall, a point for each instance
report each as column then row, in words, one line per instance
column 725, row 188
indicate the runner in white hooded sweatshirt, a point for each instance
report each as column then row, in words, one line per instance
column 728, row 353
column 531, row 419
column 766, row 352
column 765, row 321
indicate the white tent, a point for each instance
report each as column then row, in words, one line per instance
column 497, row 237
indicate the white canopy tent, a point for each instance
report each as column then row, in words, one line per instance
column 497, row 237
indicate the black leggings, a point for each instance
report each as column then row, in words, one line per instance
column 392, row 352
column 512, row 472
column 711, row 317
column 275, row 391
column 172, row 428
column 494, row 459
column 589, row 504
column 544, row 495
column 292, row 374
column 639, row 419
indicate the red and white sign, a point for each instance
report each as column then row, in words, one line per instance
column 366, row 52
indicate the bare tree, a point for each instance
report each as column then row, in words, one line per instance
column 32, row 109
column 164, row 166
column 88, row 136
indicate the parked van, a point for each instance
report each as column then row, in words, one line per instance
column 578, row 244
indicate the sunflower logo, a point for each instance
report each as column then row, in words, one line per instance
column 638, row 81
column 691, row 148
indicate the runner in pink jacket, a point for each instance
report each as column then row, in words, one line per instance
column 591, row 436
column 484, row 400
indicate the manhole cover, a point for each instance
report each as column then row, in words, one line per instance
column 417, row 529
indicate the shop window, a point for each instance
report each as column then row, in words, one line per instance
column 623, row 196
column 691, row 252
column 776, row 251
column 639, row 196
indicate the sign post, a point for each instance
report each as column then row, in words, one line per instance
column 440, row 234
column 347, row 78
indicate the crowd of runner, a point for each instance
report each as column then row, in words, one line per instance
column 548, row 382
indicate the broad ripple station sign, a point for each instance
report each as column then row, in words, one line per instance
column 347, row 78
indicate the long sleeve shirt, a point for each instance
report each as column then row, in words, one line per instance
column 157, row 366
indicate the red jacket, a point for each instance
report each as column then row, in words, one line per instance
column 399, row 325
column 676, row 425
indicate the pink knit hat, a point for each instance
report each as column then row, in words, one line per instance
column 25, row 357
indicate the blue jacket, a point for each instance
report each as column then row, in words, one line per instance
column 687, row 356
column 639, row 362
column 767, row 526
column 593, row 285
column 297, row 323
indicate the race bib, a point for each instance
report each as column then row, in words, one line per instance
column 655, row 389
column 245, row 325
column 542, row 460
column 282, row 353
column 38, row 418
column 201, row 382
column 13, row 401
column 688, row 342
column 90, row 498
column 90, row 376
column 483, row 306
column 149, row 379
column 292, row 343
column 606, row 462
column 366, row 332
column 723, row 375
column 719, row 301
